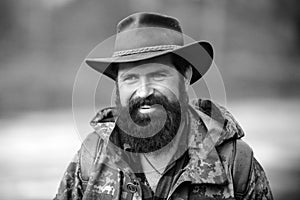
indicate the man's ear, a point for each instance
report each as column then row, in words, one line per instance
column 187, row 77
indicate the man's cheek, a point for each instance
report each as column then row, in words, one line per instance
column 124, row 101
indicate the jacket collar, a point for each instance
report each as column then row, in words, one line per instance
column 205, row 165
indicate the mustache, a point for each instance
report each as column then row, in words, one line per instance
column 150, row 100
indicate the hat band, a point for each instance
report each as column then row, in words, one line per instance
column 145, row 50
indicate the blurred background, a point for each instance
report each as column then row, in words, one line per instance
column 43, row 43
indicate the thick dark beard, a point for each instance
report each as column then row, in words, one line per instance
column 147, row 133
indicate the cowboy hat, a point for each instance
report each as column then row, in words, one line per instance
column 143, row 36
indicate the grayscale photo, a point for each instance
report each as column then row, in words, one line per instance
column 149, row 100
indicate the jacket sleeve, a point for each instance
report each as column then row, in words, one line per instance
column 70, row 187
column 258, row 187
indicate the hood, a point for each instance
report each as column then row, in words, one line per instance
column 218, row 120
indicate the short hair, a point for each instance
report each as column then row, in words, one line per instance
column 180, row 64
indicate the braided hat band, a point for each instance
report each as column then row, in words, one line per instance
column 145, row 50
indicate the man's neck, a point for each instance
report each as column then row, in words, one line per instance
column 161, row 158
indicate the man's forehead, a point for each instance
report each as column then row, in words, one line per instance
column 164, row 62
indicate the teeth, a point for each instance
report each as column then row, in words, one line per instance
column 145, row 106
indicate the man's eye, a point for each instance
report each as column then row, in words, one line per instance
column 159, row 76
column 130, row 79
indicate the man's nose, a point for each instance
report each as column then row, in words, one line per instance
column 145, row 89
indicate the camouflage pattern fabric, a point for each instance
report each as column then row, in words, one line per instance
column 206, row 176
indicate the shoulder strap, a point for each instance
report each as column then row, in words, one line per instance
column 89, row 151
column 241, row 167
column 240, row 155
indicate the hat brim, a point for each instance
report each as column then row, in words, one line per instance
column 198, row 54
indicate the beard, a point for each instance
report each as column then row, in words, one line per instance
column 147, row 133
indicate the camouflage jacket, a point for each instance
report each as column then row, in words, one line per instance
column 208, row 175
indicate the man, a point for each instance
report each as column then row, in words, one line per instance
column 155, row 144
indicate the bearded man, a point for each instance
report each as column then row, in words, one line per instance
column 155, row 144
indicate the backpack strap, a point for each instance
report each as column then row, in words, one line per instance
column 239, row 156
column 90, row 150
column 243, row 157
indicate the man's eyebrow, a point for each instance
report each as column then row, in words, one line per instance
column 127, row 74
column 160, row 71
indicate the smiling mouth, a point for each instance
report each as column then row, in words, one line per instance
column 147, row 108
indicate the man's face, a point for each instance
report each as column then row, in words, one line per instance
column 150, row 99
column 143, row 80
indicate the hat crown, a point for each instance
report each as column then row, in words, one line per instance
column 142, row 30
column 143, row 19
